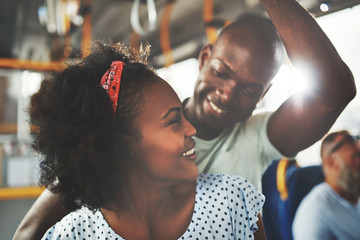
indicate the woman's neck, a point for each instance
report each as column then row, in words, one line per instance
column 152, row 208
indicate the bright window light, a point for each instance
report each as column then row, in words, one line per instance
column 30, row 83
column 286, row 82
column 181, row 76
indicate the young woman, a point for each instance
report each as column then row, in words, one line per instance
column 117, row 148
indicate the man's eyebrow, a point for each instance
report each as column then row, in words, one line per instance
column 255, row 85
column 225, row 65
column 346, row 139
column 173, row 109
column 337, row 144
column 251, row 84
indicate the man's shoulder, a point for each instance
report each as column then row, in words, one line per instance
column 316, row 199
column 251, row 127
column 320, row 189
column 259, row 116
column 261, row 112
column 312, row 217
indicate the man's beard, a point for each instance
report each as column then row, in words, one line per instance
column 349, row 180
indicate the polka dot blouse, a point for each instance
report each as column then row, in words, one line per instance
column 226, row 207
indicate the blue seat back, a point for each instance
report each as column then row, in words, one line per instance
column 284, row 185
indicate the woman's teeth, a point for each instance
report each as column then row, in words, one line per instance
column 189, row 152
column 216, row 108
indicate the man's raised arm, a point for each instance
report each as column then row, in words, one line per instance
column 45, row 212
column 306, row 116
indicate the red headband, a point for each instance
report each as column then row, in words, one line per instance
column 111, row 81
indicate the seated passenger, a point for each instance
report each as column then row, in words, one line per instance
column 117, row 147
column 332, row 209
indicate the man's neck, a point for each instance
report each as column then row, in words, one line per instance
column 343, row 194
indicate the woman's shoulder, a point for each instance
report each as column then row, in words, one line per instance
column 84, row 223
column 230, row 200
column 215, row 180
column 232, row 186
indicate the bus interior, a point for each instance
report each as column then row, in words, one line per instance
column 38, row 35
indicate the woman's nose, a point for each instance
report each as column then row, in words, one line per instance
column 189, row 129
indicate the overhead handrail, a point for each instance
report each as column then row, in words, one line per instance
column 20, row 192
column 152, row 17
column 208, row 17
column 54, row 65
column 87, row 30
column 30, row 65
column 165, row 33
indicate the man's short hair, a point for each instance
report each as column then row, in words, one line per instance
column 335, row 140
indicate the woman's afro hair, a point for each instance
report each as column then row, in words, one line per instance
column 79, row 138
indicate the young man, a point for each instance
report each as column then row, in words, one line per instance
column 235, row 73
column 332, row 209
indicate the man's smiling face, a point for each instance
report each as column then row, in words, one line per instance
column 234, row 75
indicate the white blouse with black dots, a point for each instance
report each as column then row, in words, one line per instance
column 226, row 207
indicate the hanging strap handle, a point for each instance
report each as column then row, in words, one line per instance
column 134, row 17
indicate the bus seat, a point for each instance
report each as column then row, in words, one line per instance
column 284, row 185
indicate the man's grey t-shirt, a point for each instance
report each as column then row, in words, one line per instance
column 243, row 149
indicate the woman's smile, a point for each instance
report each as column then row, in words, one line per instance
column 190, row 154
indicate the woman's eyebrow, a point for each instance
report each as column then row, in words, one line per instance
column 173, row 109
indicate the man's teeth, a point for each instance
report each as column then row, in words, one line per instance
column 189, row 152
column 216, row 108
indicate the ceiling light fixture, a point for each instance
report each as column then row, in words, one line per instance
column 325, row 6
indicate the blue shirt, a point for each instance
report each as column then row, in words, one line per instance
column 323, row 214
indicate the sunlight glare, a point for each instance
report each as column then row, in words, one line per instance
column 300, row 80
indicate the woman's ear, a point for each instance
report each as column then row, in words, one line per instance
column 204, row 54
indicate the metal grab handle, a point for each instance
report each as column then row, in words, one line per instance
column 135, row 21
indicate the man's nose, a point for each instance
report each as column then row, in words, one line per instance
column 226, row 92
